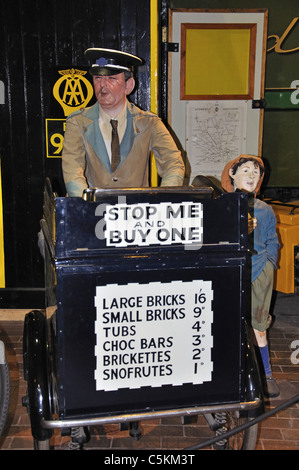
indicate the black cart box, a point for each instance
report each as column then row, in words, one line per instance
column 150, row 292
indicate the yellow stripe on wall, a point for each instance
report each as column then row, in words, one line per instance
column 2, row 267
column 154, row 77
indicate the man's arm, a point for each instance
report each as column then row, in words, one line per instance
column 73, row 159
column 169, row 161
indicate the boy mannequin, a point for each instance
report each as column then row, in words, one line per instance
column 246, row 173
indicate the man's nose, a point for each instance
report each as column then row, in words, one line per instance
column 103, row 81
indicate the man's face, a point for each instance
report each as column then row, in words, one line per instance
column 246, row 177
column 111, row 91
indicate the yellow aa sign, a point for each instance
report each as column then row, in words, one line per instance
column 72, row 90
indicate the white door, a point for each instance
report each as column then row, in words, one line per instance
column 216, row 86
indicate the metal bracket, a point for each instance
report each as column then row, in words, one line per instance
column 172, row 46
column 259, row 104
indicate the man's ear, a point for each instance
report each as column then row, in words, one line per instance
column 130, row 85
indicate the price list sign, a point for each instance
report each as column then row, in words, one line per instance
column 153, row 334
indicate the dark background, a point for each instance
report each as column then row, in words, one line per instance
column 37, row 39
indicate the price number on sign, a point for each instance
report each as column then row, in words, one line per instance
column 197, row 325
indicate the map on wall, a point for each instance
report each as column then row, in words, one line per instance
column 215, row 134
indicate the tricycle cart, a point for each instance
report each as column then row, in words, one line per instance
column 146, row 294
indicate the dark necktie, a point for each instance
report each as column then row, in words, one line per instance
column 115, row 152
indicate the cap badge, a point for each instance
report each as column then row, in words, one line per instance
column 102, row 61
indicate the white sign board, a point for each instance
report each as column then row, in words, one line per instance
column 153, row 334
column 147, row 224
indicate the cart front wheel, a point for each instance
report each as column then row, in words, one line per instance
column 37, row 374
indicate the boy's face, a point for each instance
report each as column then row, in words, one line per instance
column 246, row 177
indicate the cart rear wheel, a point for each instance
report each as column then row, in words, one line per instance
column 244, row 440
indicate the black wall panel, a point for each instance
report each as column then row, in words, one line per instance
column 37, row 37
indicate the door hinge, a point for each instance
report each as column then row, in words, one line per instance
column 168, row 46
column 172, row 46
column 259, row 104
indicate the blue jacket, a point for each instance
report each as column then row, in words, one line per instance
column 265, row 238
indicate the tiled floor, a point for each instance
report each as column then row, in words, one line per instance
column 279, row 432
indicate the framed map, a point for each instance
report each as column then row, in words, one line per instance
column 215, row 134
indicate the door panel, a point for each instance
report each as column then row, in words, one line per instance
column 216, row 83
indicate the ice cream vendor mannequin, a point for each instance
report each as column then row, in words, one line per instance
column 108, row 145
column 246, row 173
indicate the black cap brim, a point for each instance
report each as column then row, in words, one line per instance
column 110, row 61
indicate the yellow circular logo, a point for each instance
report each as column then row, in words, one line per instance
column 72, row 90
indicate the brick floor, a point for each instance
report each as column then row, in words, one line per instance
column 279, row 432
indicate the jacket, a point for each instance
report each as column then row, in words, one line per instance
column 266, row 243
column 85, row 161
